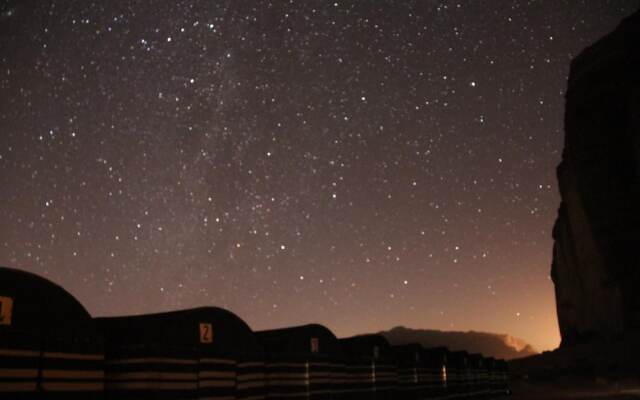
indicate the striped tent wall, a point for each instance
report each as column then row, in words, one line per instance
column 151, row 372
column 486, row 380
column 429, row 381
column 303, row 362
column 478, row 375
column 457, row 373
column 368, row 379
column 432, row 381
column 216, row 377
column 251, row 378
column 409, row 383
column 433, row 372
column 287, row 377
column 358, row 380
column 371, row 367
column 455, row 383
column 51, row 369
column 321, row 372
column 299, row 377
column 73, row 369
column 469, row 387
column 502, row 376
column 482, row 380
column 494, row 381
column 202, row 353
column 49, row 346
column 412, row 377
column 469, row 379
column 386, row 379
column 179, row 373
column 339, row 377
column 492, row 375
column 20, row 355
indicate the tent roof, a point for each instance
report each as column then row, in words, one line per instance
column 364, row 345
column 436, row 355
column 40, row 306
column 476, row 359
column 297, row 340
column 411, row 352
column 211, row 328
column 458, row 358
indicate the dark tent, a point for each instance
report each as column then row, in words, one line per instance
column 302, row 362
column 208, row 328
column 412, row 382
column 371, row 368
column 457, row 372
column 435, row 361
column 478, row 373
column 49, row 341
column 312, row 339
column 40, row 306
column 371, row 346
column 502, row 376
column 493, row 375
column 497, row 381
column 436, row 356
column 198, row 353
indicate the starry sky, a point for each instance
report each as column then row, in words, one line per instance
column 361, row 164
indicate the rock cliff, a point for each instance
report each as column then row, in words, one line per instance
column 489, row 344
column 596, row 256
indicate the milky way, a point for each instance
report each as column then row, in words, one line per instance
column 360, row 164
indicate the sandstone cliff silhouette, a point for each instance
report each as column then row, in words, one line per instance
column 489, row 344
column 596, row 267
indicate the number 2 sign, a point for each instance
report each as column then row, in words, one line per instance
column 206, row 333
column 6, row 309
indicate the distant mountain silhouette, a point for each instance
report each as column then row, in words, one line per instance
column 489, row 344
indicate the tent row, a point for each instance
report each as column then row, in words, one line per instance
column 51, row 348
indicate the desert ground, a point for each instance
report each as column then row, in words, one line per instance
column 575, row 390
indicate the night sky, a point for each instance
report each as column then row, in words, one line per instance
column 361, row 164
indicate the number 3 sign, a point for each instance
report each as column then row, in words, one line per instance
column 206, row 333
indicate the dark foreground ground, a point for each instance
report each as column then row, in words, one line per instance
column 578, row 390
column 600, row 369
